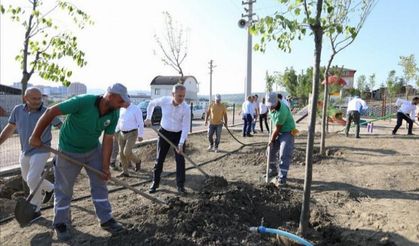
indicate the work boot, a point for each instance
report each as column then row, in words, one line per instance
column 181, row 190
column 47, row 196
column 112, row 226
column 138, row 166
column 153, row 188
column 62, row 232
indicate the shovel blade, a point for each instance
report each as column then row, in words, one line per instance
column 24, row 212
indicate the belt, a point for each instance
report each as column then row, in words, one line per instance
column 125, row 132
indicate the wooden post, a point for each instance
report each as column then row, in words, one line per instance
column 234, row 112
column 191, row 115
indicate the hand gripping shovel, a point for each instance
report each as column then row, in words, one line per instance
column 116, row 181
column 24, row 210
column 186, row 157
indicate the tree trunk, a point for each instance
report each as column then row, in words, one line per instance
column 305, row 210
column 24, row 81
column 325, row 102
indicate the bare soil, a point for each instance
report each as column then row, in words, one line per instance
column 365, row 192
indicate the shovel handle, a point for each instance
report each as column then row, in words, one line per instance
column 181, row 153
column 115, row 180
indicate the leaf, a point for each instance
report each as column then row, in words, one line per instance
column 297, row 11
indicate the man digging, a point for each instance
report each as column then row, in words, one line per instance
column 88, row 116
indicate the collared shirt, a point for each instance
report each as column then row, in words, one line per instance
column 131, row 118
column 256, row 107
column 263, row 109
column 25, row 122
column 356, row 104
column 286, row 102
column 248, row 108
column 84, row 124
column 406, row 107
column 174, row 118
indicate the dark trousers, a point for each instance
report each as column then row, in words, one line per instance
column 400, row 117
column 247, row 126
column 354, row 116
column 162, row 149
column 263, row 117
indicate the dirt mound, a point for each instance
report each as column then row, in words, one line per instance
column 223, row 216
column 214, row 183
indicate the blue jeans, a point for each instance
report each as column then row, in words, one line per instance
column 247, row 126
column 217, row 129
column 285, row 145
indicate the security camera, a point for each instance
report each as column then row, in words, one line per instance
column 242, row 23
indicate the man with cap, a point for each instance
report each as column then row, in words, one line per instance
column 282, row 138
column 175, row 126
column 88, row 116
column 217, row 112
column 32, row 160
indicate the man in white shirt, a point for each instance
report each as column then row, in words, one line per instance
column 263, row 115
column 353, row 113
column 175, row 125
column 256, row 113
column 247, row 116
column 130, row 128
column 407, row 112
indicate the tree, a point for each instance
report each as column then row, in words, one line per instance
column 289, row 81
column 371, row 84
column 410, row 70
column 174, row 47
column 341, row 15
column 283, row 28
column 270, row 80
column 361, row 83
column 44, row 43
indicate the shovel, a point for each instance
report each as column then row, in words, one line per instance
column 115, row 180
column 24, row 210
column 181, row 153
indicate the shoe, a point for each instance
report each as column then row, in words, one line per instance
column 357, row 137
column 393, row 133
column 153, row 188
column 47, row 196
column 209, row 148
column 36, row 216
column 346, row 134
column 181, row 190
column 138, row 166
column 112, row 226
column 216, row 150
column 279, row 183
column 62, row 233
column 410, row 134
column 249, row 135
column 122, row 174
column 272, row 173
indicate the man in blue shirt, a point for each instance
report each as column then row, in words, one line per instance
column 32, row 160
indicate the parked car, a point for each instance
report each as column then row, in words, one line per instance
column 198, row 112
column 156, row 117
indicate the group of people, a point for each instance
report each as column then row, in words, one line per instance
column 121, row 123
column 406, row 111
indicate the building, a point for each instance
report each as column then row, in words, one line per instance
column 162, row 86
column 76, row 88
column 349, row 76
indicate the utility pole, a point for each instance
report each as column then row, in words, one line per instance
column 211, row 67
column 249, row 14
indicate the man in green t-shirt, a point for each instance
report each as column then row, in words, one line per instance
column 88, row 116
column 281, row 139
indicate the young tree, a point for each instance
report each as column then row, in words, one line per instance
column 289, row 81
column 410, row 70
column 371, row 84
column 342, row 15
column 45, row 43
column 283, row 28
column 174, row 45
column 361, row 83
column 270, row 80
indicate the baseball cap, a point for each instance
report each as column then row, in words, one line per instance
column 217, row 97
column 271, row 99
column 121, row 90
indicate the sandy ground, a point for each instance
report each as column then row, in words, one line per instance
column 365, row 192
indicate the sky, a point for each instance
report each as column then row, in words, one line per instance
column 120, row 46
